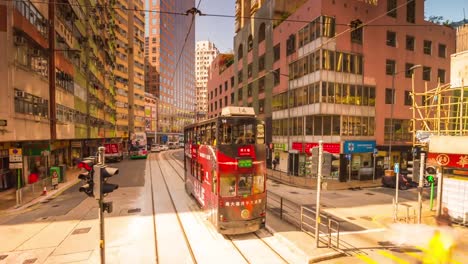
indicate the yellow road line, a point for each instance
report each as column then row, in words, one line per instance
column 393, row 257
column 366, row 259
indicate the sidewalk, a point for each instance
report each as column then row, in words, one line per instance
column 328, row 184
column 33, row 196
column 299, row 242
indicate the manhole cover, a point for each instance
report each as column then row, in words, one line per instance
column 81, row 231
column 294, row 192
column 368, row 218
column 55, row 205
column 367, row 193
column 351, row 218
column 133, row 211
column 2, row 257
column 29, row 261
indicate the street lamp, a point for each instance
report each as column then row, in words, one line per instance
column 391, row 111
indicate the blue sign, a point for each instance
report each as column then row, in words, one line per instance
column 164, row 138
column 376, row 151
column 396, row 168
column 359, row 146
column 348, row 156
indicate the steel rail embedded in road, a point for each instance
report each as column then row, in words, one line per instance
column 192, row 255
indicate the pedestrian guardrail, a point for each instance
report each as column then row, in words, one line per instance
column 329, row 228
column 286, row 209
column 303, row 218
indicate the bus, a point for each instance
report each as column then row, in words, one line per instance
column 224, row 163
column 138, row 146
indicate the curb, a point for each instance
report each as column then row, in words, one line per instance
column 34, row 203
column 326, row 256
column 272, row 177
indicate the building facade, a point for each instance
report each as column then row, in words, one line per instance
column 324, row 80
column 205, row 53
column 62, row 81
column 170, row 66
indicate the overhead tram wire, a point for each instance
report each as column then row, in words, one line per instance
column 226, row 16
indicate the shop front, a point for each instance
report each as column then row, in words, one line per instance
column 76, row 148
column 36, row 161
column 358, row 161
column 455, row 183
column 300, row 151
column 59, row 153
column 6, row 176
column 280, row 156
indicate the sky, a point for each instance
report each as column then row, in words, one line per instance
column 220, row 30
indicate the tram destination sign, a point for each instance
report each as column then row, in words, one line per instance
column 244, row 163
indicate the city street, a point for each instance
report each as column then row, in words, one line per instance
column 65, row 229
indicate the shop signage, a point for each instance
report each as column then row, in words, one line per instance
column 3, row 122
column 16, row 155
column 280, row 147
column 355, row 146
column 58, row 145
column 448, row 160
column 333, row 148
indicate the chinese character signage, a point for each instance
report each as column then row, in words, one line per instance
column 333, row 148
column 448, row 160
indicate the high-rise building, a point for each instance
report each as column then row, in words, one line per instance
column 347, row 86
column 66, row 68
column 130, row 67
column 170, row 62
column 205, row 53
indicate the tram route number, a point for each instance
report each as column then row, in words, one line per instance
column 200, row 192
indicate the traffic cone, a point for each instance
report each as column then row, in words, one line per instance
column 44, row 191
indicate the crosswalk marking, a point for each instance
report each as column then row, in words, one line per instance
column 366, row 259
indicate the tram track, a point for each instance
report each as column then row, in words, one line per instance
column 189, row 247
column 232, row 239
column 173, row 162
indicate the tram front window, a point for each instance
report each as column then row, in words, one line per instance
column 227, row 186
column 244, row 185
column 241, row 131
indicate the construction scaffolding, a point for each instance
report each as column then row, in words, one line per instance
column 442, row 111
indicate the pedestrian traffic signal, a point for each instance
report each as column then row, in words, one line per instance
column 87, row 177
column 101, row 186
column 431, row 171
column 413, row 168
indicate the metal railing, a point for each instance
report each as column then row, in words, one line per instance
column 329, row 228
column 286, row 209
column 303, row 218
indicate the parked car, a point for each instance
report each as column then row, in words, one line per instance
column 155, row 148
column 164, row 147
column 172, row 145
column 181, row 144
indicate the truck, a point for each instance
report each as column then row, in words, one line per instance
column 113, row 152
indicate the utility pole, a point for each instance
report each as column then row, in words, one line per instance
column 319, row 183
column 102, row 232
column 439, row 191
column 397, row 187
column 420, row 187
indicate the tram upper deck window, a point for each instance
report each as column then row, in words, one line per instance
column 237, row 131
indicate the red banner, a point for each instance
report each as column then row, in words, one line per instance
column 328, row 147
column 448, row 160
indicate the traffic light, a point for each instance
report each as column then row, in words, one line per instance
column 86, row 176
column 413, row 169
column 431, row 171
column 102, row 173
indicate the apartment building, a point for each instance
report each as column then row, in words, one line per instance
column 205, row 53
column 63, row 82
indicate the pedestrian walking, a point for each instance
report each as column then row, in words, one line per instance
column 444, row 219
column 274, row 164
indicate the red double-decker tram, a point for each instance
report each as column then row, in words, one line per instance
column 225, row 169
